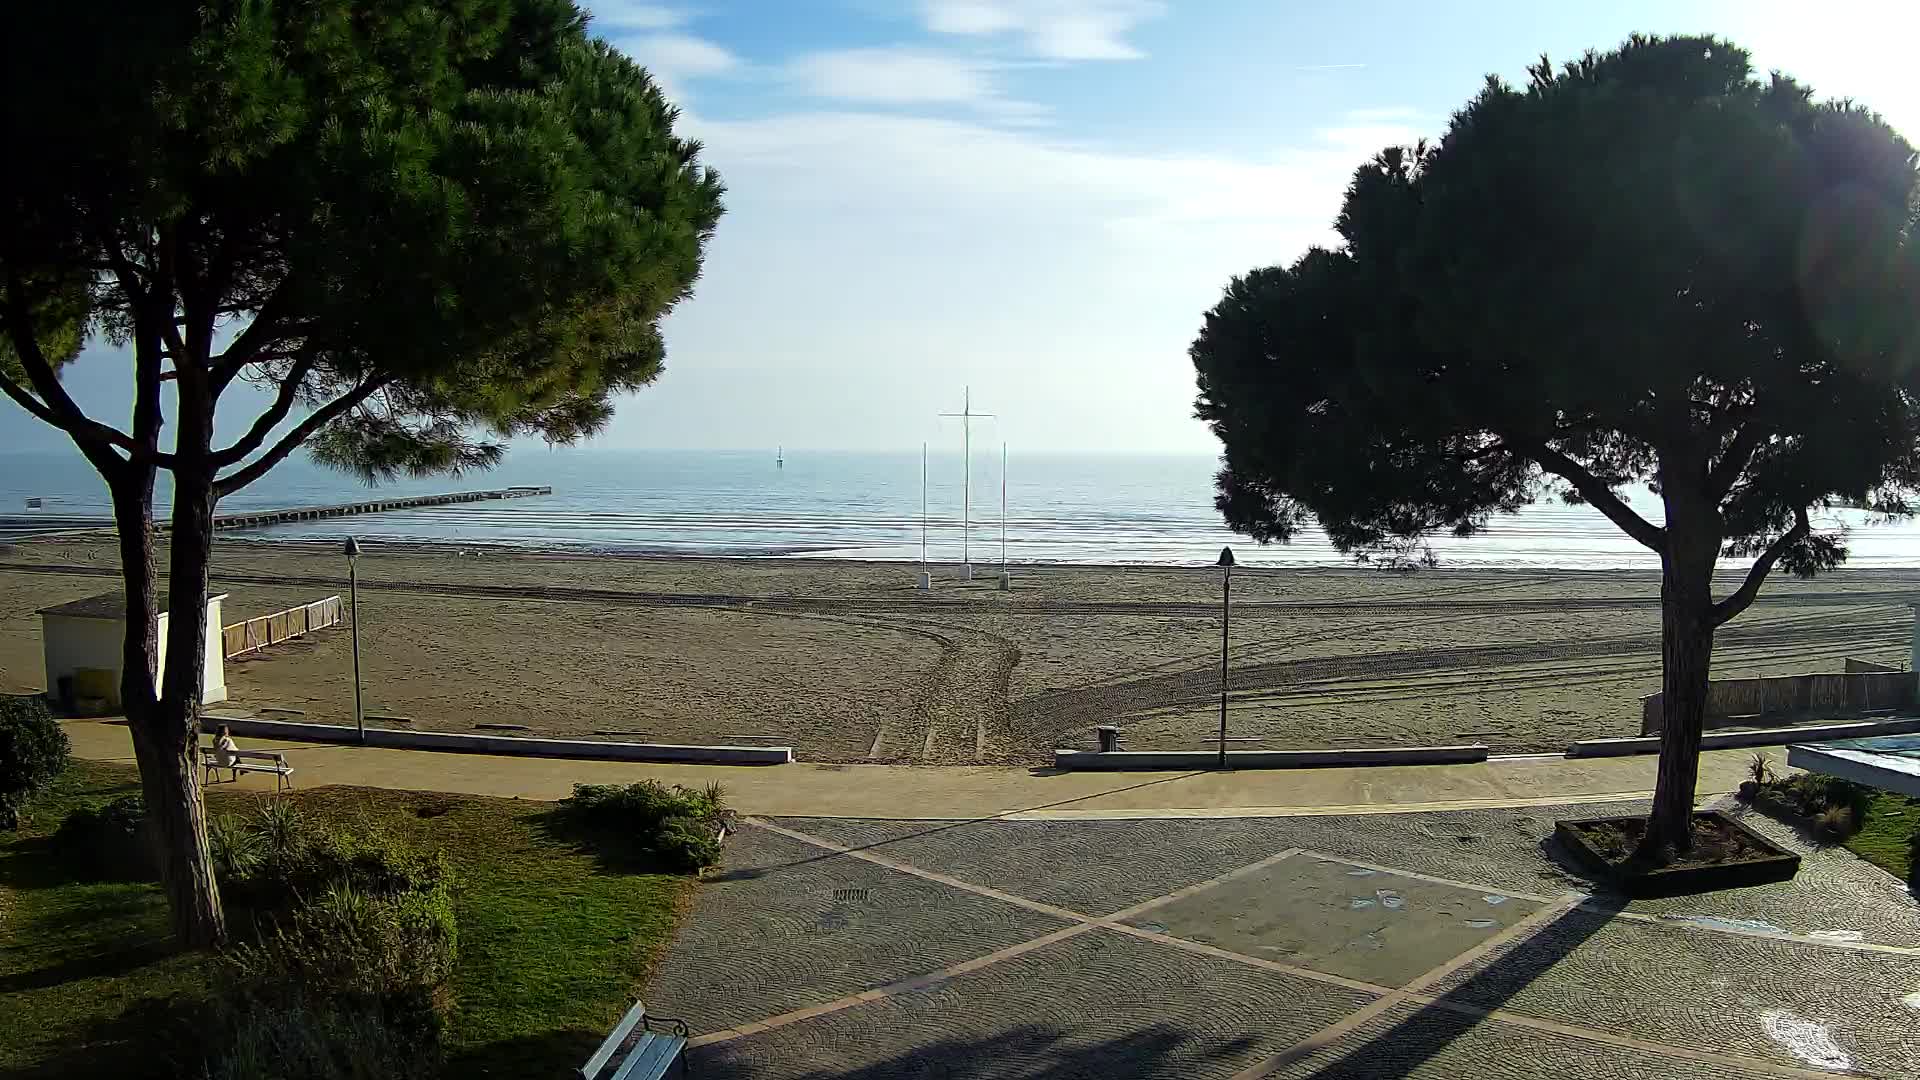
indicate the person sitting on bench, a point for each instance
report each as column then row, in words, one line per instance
column 223, row 758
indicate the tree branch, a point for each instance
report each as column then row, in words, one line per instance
column 244, row 350
column 55, row 406
column 1740, row 450
column 1742, row 598
column 301, row 432
column 264, row 424
column 1600, row 495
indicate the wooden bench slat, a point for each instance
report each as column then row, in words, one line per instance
column 611, row 1045
column 651, row 1057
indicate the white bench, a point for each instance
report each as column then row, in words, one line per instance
column 648, row 1053
column 266, row 761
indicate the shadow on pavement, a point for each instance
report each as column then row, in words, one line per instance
column 1405, row 1046
column 1027, row 1053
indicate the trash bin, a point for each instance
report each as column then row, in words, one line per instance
column 1109, row 737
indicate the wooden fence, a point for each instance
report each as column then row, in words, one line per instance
column 258, row 633
column 1826, row 696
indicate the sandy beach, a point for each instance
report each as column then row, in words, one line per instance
column 848, row 662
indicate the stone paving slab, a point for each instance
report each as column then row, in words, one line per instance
column 1797, row 1004
column 1835, row 893
column 1096, row 1006
column 1094, row 867
column 1377, row 927
column 785, row 926
column 1119, row 863
column 1431, row 1044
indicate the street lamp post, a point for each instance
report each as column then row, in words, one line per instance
column 1226, row 596
column 353, row 599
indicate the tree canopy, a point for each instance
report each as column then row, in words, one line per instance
column 421, row 228
column 1647, row 259
column 1646, row 266
column 410, row 221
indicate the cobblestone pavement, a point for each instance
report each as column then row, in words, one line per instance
column 1423, row 945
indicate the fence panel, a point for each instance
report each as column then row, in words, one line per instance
column 261, row 631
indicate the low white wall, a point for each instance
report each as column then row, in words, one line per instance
column 1268, row 759
column 504, row 744
column 70, row 643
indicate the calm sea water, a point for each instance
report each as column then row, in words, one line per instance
column 1088, row 508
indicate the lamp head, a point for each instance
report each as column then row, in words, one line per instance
column 352, row 547
column 1226, row 557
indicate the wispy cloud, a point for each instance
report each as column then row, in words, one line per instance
column 908, row 76
column 1054, row 29
column 612, row 18
column 680, row 55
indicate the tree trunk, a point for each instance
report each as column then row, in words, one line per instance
column 1686, row 646
column 1686, row 649
column 174, row 736
column 163, row 726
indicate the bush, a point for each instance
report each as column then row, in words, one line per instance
column 1813, row 794
column 1836, row 823
column 675, row 824
column 395, row 947
column 238, row 851
column 297, row 1036
column 33, row 750
column 113, row 842
column 355, row 930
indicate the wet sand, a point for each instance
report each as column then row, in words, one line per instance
column 848, row 662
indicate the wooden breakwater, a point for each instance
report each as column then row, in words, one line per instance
column 255, row 519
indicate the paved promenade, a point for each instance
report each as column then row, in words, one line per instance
column 974, row 791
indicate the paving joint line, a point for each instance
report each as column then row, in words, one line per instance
column 1334, row 1032
column 1385, row 997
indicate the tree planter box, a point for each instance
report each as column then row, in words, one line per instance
column 1775, row 864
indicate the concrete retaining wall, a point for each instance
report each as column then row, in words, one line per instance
column 1727, row 740
column 1825, row 695
column 1163, row 760
column 502, row 744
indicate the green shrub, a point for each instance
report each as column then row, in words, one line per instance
column 292, row 1035
column 674, row 824
column 114, row 842
column 353, row 928
column 1813, row 794
column 1836, row 823
column 345, row 942
column 33, row 750
column 238, row 850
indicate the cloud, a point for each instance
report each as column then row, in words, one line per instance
column 907, row 76
column 1054, row 29
column 894, row 77
column 679, row 55
column 613, row 17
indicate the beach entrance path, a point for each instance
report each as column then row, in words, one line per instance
column 1430, row 945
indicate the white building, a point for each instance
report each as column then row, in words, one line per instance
column 84, row 642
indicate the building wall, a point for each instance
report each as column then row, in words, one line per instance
column 71, row 644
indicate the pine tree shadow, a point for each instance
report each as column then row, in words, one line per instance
column 1031, row 1052
column 1405, row 1045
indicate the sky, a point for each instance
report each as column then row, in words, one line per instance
column 1039, row 199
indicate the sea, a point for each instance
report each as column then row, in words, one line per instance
column 1058, row 508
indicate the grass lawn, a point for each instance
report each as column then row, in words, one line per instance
column 554, row 942
column 1886, row 835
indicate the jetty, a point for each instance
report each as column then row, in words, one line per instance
column 255, row 519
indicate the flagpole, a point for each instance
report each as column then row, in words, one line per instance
column 1003, row 509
